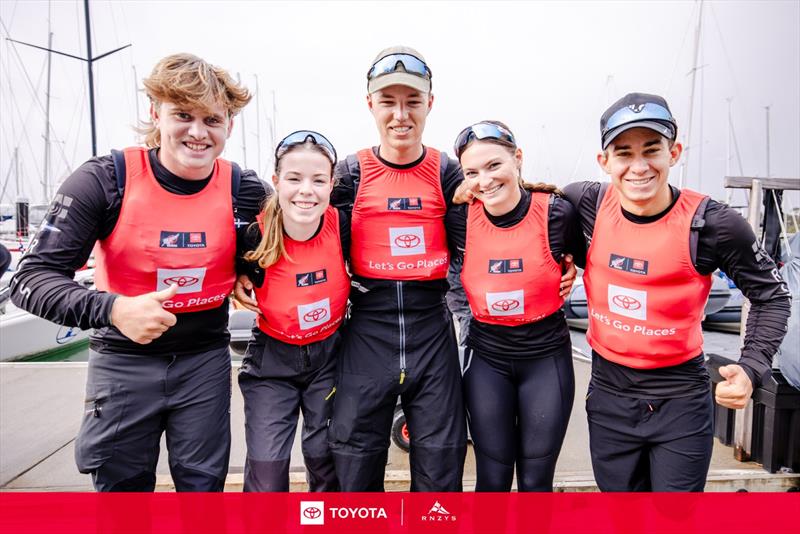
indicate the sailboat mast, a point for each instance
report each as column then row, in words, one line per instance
column 685, row 168
column 136, row 94
column 89, row 61
column 767, row 110
column 244, row 131
column 258, row 128
column 46, row 166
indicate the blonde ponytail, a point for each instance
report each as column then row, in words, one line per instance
column 271, row 247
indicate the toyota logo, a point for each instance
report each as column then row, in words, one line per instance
column 182, row 281
column 626, row 302
column 312, row 512
column 315, row 315
column 505, row 305
column 407, row 241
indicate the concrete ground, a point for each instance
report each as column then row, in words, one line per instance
column 41, row 407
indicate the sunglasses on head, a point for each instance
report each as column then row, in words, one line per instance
column 645, row 112
column 411, row 64
column 482, row 130
column 304, row 136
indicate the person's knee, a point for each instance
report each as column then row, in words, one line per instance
column 187, row 479
column 272, row 475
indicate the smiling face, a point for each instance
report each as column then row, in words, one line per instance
column 191, row 139
column 496, row 169
column 638, row 162
column 400, row 113
column 303, row 184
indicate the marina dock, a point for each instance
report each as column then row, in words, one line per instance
column 41, row 406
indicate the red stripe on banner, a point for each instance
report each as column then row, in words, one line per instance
column 315, row 513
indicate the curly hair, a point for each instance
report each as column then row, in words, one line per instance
column 187, row 80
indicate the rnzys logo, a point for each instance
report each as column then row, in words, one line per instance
column 438, row 513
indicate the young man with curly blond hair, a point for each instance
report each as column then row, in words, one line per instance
column 164, row 219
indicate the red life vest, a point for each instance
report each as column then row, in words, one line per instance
column 646, row 299
column 304, row 300
column 162, row 238
column 509, row 274
column 398, row 221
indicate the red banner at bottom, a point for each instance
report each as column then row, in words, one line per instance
column 728, row 513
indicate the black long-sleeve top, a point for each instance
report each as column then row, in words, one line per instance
column 86, row 209
column 529, row 340
column 725, row 242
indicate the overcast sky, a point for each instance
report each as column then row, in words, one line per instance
column 548, row 69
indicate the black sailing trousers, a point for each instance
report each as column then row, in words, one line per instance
column 377, row 348
column 518, row 411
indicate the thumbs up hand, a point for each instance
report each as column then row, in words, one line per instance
column 737, row 388
column 143, row 319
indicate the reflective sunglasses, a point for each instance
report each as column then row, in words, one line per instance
column 301, row 137
column 388, row 64
column 481, row 130
column 646, row 112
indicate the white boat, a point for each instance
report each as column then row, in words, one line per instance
column 25, row 336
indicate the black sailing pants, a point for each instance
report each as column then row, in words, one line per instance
column 374, row 347
column 650, row 444
column 518, row 411
column 132, row 399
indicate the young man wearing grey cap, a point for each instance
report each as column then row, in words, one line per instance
column 399, row 339
column 651, row 251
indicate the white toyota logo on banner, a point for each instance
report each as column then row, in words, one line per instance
column 312, row 512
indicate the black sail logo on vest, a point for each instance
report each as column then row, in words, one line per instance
column 312, row 278
column 404, row 204
column 630, row 265
column 505, row 266
column 182, row 239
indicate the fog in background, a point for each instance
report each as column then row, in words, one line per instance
column 548, row 69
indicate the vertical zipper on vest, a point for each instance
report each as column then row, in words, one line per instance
column 401, row 322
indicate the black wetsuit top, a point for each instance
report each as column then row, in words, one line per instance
column 725, row 242
column 371, row 294
column 86, row 209
column 540, row 338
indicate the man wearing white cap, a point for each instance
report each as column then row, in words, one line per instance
column 400, row 338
